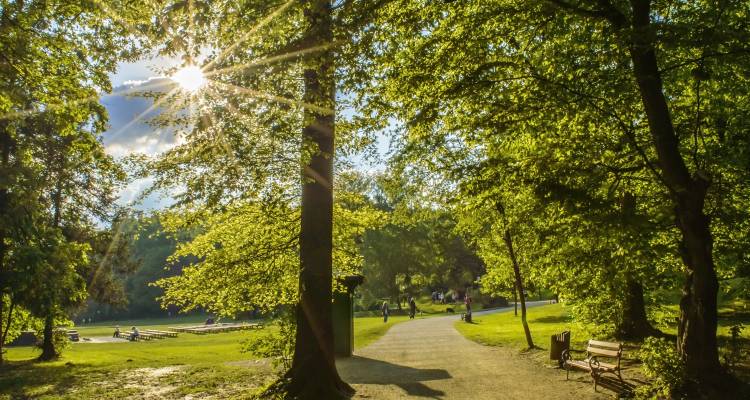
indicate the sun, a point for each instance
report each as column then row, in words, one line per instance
column 190, row 78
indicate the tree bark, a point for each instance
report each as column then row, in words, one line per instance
column 313, row 374
column 515, row 298
column 519, row 286
column 48, row 344
column 696, row 337
column 633, row 323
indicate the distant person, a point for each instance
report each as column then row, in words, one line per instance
column 384, row 310
column 467, row 301
column 441, row 297
column 412, row 308
column 134, row 334
column 117, row 332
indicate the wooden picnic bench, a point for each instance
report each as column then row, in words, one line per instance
column 594, row 350
column 160, row 333
column 73, row 335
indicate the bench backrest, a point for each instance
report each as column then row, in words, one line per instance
column 605, row 349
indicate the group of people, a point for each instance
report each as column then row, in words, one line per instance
column 412, row 309
column 439, row 297
column 134, row 333
column 384, row 309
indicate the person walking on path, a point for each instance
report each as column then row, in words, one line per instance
column 467, row 301
column 384, row 309
column 412, row 307
column 117, row 332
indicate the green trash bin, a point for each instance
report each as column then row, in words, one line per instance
column 343, row 316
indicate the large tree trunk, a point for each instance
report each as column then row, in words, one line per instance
column 633, row 323
column 48, row 343
column 696, row 341
column 313, row 374
column 519, row 286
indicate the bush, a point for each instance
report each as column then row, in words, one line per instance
column 277, row 346
column 733, row 353
column 663, row 365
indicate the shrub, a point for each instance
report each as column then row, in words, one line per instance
column 276, row 346
column 733, row 353
column 663, row 365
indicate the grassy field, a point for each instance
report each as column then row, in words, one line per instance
column 505, row 329
column 193, row 365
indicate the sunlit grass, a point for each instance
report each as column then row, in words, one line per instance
column 189, row 364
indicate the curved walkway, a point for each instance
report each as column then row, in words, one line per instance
column 428, row 358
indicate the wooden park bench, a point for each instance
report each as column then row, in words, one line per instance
column 595, row 350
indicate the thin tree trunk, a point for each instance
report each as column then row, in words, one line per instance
column 515, row 298
column 313, row 374
column 48, row 344
column 696, row 337
column 5, row 143
column 519, row 286
column 2, row 332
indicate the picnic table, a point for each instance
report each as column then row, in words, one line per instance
column 217, row 328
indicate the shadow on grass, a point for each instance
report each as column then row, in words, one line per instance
column 361, row 370
column 552, row 319
column 19, row 377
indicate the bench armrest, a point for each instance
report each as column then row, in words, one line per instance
column 565, row 356
column 593, row 363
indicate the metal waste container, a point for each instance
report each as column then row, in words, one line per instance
column 558, row 344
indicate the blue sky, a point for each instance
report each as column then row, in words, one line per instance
column 125, row 137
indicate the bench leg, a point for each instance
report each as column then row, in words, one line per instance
column 567, row 373
column 593, row 375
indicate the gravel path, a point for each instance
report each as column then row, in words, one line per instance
column 428, row 358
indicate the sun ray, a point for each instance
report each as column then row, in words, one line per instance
column 274, row 98
column 108, row 253
column 273, row 59
column 268, row 18
column 216, row 96
column 140, row 116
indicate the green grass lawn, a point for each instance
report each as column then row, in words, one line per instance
column 166, row 368
column 505, row 329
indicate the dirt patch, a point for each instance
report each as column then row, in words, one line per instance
column 263, row 362
column 150, row 383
